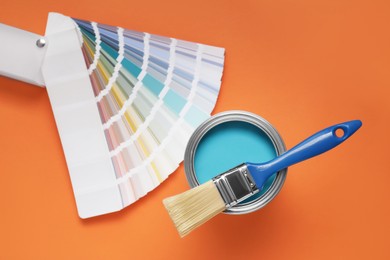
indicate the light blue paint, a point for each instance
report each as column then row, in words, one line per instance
column 230, row 144
column 174, row 101
column 195, row 116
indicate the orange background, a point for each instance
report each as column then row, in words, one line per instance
column 302, row 65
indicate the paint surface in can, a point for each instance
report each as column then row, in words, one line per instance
column 230, row 144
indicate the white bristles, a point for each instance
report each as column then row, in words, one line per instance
column 194, row 207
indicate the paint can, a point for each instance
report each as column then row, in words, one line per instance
column 202, row 161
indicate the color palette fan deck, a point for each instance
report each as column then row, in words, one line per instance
column 144, row 97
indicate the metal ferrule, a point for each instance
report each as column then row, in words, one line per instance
column 235, row 185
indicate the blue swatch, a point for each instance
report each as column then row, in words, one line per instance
column 174, row 101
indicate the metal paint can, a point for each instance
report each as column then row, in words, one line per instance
column 248, row 118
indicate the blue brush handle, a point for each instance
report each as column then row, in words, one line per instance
column 312, row 146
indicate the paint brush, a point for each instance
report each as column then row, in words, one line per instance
column 196, row 206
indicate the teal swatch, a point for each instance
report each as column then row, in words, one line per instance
column 89, row 35
column 174, row 101
column 153, row 84
column 131, row 67
column 114, row 54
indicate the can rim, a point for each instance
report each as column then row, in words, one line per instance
column 242, row 116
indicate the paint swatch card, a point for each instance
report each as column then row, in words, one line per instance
column 125, row 104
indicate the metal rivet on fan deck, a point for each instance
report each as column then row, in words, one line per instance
column 41, row 42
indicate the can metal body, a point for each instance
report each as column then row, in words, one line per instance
column 237, row 116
